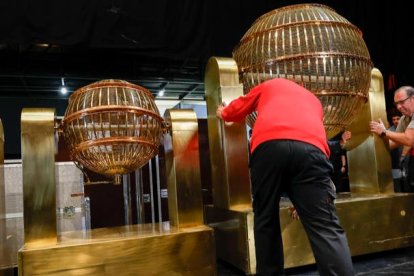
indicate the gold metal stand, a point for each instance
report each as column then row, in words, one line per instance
column 231, row 216
column 145, row 249
column 227, row 141
column 185, row 204
column 186, row 247
column 39, row 189
column 374, row 218
column 368, row 152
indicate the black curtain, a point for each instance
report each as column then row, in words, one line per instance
column 188, row 28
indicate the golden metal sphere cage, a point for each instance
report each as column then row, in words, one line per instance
column 112, row 127
column 314, row 46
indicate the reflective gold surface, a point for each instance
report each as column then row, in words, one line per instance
column 314, row 46
column 39, row 189
column 182, row 160
column 112, row 127
column 373, row 223
column 233, row 231
column 146, row 249
column 227, row 141
column 368, row 152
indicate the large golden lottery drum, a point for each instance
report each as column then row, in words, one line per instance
column 316, row 47
column 112, row 127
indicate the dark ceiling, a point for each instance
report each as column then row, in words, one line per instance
column 40, row 71
column 160, row 44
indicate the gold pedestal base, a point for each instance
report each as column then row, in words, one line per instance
column 373, row 223
column 148, row 249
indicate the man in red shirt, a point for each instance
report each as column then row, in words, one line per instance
column 289, row 153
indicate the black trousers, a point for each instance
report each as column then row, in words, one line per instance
column 303, row 172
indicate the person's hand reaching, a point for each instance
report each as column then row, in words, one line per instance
column 377, row 127
column 293, row 213
column 346, row 136
column 220, row 109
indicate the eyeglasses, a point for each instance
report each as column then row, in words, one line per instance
column 401, row 102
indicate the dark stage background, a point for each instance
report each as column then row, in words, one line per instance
column 98, row 39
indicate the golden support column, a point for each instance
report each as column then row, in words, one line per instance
column 368, row 152
column 182, row 158
column 39, row 187
column 231, row 216
column 227, row 141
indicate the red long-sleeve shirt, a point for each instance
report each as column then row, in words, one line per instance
column 285, row 110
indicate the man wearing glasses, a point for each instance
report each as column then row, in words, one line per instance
column 404, row 134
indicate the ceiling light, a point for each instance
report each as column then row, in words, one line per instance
column 63, row 89
column 161, row 92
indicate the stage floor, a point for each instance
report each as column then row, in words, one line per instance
column 394, row 262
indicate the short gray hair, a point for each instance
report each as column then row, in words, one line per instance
column 409, row 90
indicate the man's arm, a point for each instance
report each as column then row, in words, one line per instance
column 405, row 150
column 343, row 163
column 405, row 138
